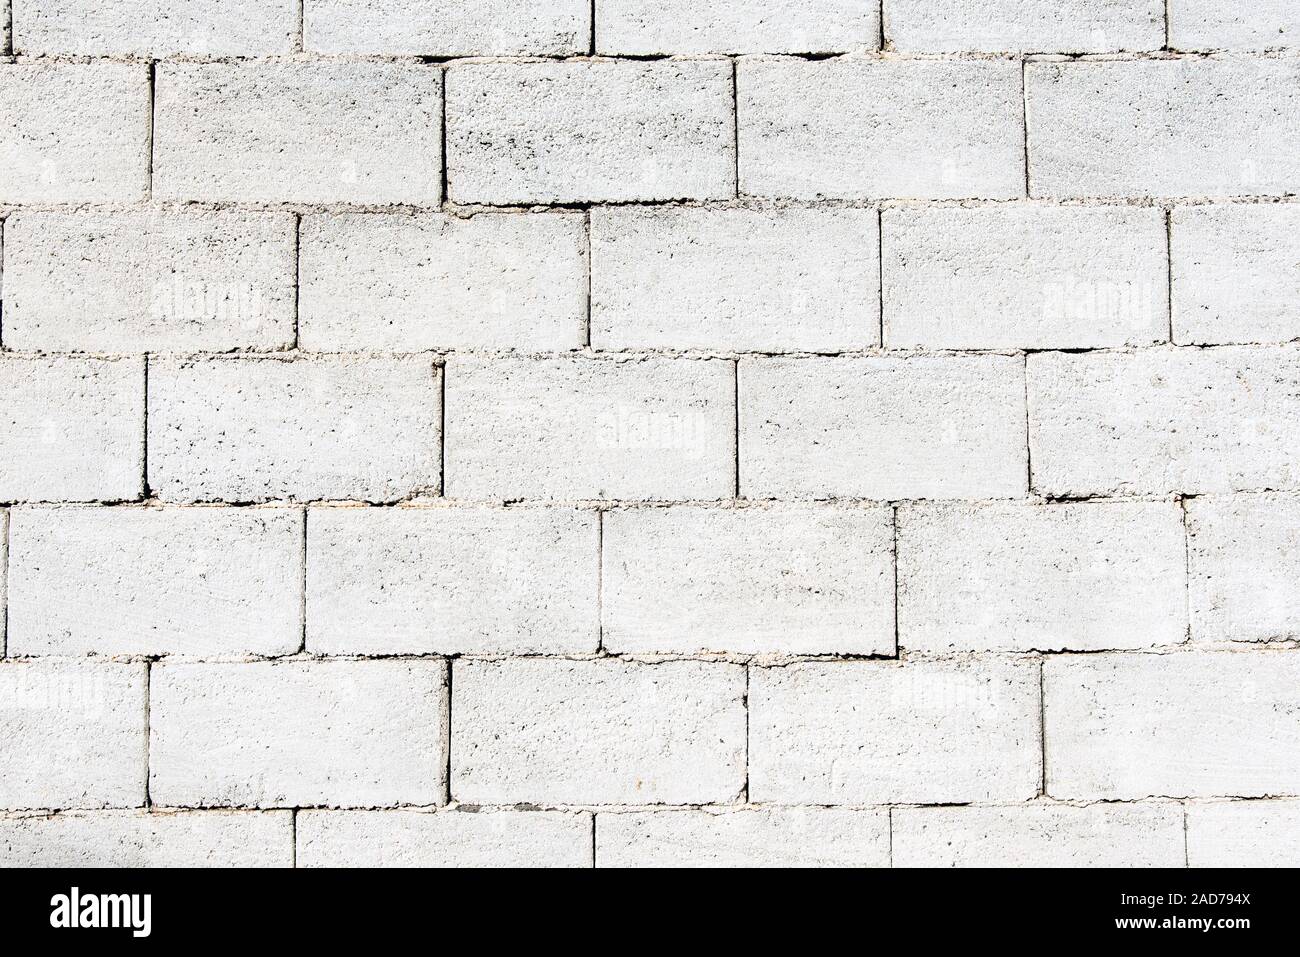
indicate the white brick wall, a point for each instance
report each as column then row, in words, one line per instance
column 766, row 837
column 1164, row 420
column 322, row 132
column 439, row 282
column 360, row 427
column 138, row 839
column 143, row 282
column 647, row 428
column 649, row 433
column 803, row 580
column 169, row 581
column 938, row 130
column 781, row 280
column 883, row 428
column 1236, row 273
column 444, row 839
column 597, row 131
column 642, row 27
column 73, row 428
column 456, row 28
column 1243, row 834
column 1201, row 724
column 874, row 733
column 154, row 27
column 74, row 132
column 597, row 732
column 1061, row 26
column 349, row 733
column 1164, row 127
column 1215, row 25
column 73, row 733
column 1040, row 835
column 1024, row 277
column 1013, row 577
column 420, row 580
column 1243, row 562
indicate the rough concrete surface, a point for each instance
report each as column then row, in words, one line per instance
column 649, row 433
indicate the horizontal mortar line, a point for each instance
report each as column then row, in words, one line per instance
column 766, row 660
column 528, row 807
column 634, row 355
column 742, row 203
column 437, row 504
column 757, row 503
column 434, row 503
column 884, row 201
column 864, row 53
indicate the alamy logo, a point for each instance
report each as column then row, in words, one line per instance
column 102, row 910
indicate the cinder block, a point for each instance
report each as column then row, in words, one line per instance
column 547, row 731
column 511, row 281
column 452, row 580
column 149, row 281
column 882, row 427
column 73, row 428
column 444, row 839
column 1172, row 127
column 1014, row 577
column 595, row 131
column 645, row 428
column 788, row 579
column 1165, row 420
column 4, row 579
column 154, row 28
column 937, row 130
column 172, row 581
column 143, row 839
column 263, row 734
column 752, row 837
column 336, row 427
column 1243, row 834
column 773, row 280
column 854, row 732
column 645, row 27
column 1215, row 25
column 74, row 132
column 1024, row 277
column 1199, row 724
column 457, row 28
column 298, row 132
column 1040, row 835
column 1025, row 26
column 1244, row 563
column 1236, row 273
column 73, row 733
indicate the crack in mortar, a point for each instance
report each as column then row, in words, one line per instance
column 634, row 355
column 720, row 808
column 762, row 660
column 745, row 202
column 848, row 55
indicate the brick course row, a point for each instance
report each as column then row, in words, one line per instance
column 767, row 279
column 1216, row 834
column 376, row 733
column 650, row 427
column 208, row 582
column 639, row 28
column 366, row 132
column 212, row 581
